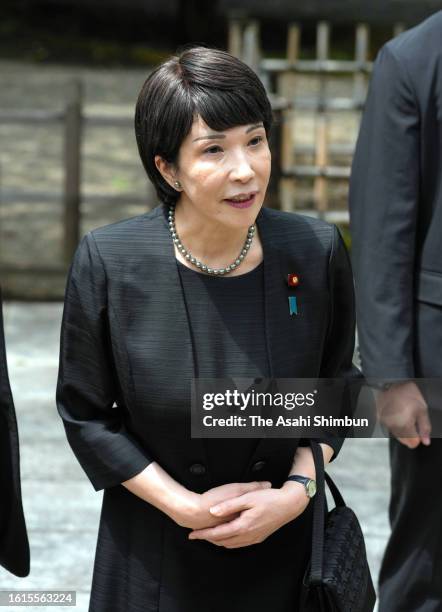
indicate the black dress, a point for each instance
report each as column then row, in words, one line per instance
column 226, row 316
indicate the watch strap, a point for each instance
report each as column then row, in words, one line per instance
column 305, row 482
column 302, row 479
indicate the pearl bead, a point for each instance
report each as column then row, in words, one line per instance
column 189, row 257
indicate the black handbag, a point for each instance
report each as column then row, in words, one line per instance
column 338, row 577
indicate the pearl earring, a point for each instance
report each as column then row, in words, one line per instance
column 177, row 184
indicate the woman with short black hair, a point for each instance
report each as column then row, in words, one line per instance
column 197, row 288
column 204, row 82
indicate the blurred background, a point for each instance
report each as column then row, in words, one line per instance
column 70, row 73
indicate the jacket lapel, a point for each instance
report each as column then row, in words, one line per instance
column 280, row 326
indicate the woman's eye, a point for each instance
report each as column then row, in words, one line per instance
column 216, row 148
column 257, row 140
column 213, row 149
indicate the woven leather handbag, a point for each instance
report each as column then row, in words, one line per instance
column 338, row 578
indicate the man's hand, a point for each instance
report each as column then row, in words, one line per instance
column 403, row 410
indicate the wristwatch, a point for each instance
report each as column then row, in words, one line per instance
column 309, row 484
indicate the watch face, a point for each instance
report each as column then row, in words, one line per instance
column 311, row 488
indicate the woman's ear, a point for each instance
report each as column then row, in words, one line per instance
column 166, row 170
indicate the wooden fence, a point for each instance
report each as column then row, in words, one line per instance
column 280, row 78
column 74, row 120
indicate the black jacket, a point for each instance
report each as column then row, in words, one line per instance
column 125, row 340
column 14, row 547
column 396, row 209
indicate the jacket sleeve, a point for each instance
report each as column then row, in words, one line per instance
column 384, row 195
column 89, row 399
column 337, row 361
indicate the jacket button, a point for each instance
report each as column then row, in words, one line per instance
column 197, row 469
column 258, row 466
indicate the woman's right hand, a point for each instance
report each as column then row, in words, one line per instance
column 195, row 514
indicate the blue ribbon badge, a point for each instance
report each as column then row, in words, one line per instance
column 293, row 305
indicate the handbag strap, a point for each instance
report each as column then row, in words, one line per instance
column 318, row 517
column 319, row 513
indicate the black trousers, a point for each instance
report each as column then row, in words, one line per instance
column 411, row 573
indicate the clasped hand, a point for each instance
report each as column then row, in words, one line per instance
column 241, row 514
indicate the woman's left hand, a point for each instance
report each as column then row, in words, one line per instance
column 262, row 512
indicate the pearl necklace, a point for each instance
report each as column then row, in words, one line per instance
column 196, row 262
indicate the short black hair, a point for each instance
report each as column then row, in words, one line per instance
column 199, row 80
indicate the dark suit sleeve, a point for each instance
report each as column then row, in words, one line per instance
column 384, row 194
column 337, row 359
column 14, row 546
column 88, row 385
